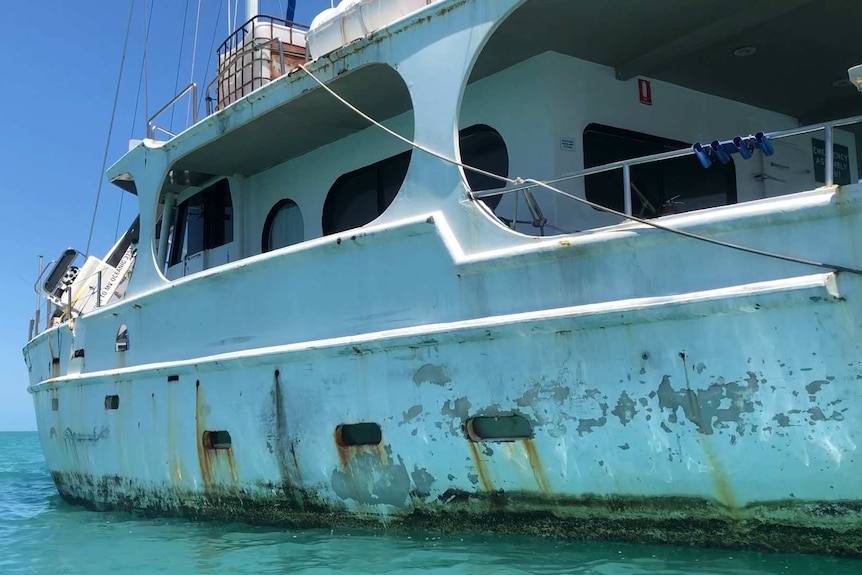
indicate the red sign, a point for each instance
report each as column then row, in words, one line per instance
column 645, row 91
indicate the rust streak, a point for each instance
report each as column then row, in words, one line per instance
column 204, row 460
column 231, row 462
column 381, row 453
column 481, row 469
column 720, row 480
column 536, row 466
column 343, row 451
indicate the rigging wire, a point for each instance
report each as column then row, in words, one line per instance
column 180, row 60
column 203, row 93
column 147, row 20
column 519, row 181
column 110, row 127
column 146, row 59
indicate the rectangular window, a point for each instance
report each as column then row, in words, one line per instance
column 202, row 222
column 681, row 184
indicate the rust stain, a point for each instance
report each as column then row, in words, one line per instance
column 536, row 466
column 204, row 460
column 231, row 462
column 343, row 451
column 211, row 460
column 346, row 453
column 719, row 477
column 481, row 468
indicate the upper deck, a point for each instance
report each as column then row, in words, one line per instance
column 545, row 88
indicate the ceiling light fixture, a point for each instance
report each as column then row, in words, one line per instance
column 744, row 51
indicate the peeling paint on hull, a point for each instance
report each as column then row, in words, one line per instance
column 633, row 425
column 818, row 527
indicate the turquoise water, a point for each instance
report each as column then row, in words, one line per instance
column 40, row 534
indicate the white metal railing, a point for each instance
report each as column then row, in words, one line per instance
column 626, row 165
column 152, row 128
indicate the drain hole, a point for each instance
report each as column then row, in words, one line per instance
column 112, row 402
column 55, row 404
column 358, row 434
column 499, row 428
column 216, row 439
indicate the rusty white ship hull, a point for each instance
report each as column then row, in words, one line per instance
column 436, row 369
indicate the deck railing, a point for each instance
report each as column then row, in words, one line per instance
column 152, row 128
column 526, row 189
column 251, row 45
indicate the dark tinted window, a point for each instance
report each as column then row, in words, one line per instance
column 202, row 222
column 283, row 226
column 359, row 197
column 483, row 147
column 658, row 182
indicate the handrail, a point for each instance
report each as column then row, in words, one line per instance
column 626, row 165
column 151, row 128
column 254, row 46
column 233, row 40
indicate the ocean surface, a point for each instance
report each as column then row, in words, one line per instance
column 41, row 534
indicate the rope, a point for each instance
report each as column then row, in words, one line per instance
column 110, row 127
column 519, row 181
column 407, row 141
column 180, row 61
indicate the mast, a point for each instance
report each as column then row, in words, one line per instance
column 250, row 9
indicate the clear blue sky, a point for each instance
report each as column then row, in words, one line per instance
column 60, row 61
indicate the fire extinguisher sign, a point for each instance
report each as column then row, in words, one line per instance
column 645, row 91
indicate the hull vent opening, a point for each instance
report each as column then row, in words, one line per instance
column 349, row 435
column 499, row 428
column 216, row 439
column 122, row 341
column 112, row 402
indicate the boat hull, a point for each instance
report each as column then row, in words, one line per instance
column 720, row 418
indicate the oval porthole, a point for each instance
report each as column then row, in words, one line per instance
column 283, row 227
column 349, row 435
column 498, row 428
